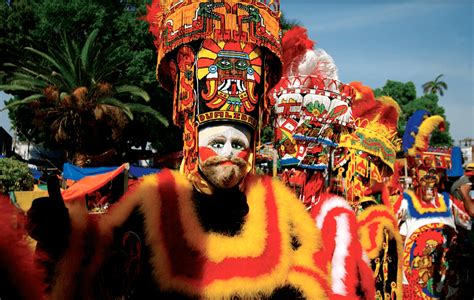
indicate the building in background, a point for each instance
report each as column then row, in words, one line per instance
column 467, row 148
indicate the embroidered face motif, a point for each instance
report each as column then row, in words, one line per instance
column 224, row 152
column 229, row 75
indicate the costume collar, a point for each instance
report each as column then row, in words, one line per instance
column 420, row 209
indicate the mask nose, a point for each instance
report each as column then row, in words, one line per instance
column 227, row 151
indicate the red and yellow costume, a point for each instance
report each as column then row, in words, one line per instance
column 365, row 157
column 429, row 219
column 179, row 234
column 312, row 110
column 184, row 258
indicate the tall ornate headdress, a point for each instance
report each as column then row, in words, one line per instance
column 219, row 58
column 312, row 107
column 424, row 160
column 376, row 126
column 369, row 152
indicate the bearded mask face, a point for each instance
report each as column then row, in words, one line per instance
column 220, row 81
column 224, row 152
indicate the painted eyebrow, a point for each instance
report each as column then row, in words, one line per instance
column 218, row 138
column 239, row 140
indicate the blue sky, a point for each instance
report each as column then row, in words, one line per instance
column 373, row 41
column 376, row 41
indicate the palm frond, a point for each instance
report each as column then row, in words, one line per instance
column 32, row 83
column 438, row 77
column 68, row 53
column 117, row 103
column 14, row 87
column 443, row 85
column 87, row 50
column 26, row 76
column 136, row 107
column 23, row 101
column 133, row 90
column 62, row 70
column 50, row 79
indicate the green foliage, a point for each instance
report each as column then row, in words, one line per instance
column 287, row 24
column 15, row 176
column 405, row 95
column 76, row 91
column 39, row 25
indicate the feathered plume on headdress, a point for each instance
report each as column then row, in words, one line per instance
column 376, row 121
column 425, row 129
column 153, row 18
column 411, row 128
column 304, row 66
column 295, row 44
column 312, row 107
column 418, row 131
column 416, row 141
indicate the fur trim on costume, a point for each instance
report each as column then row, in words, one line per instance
column 342, row 250
column 20, row 277
column 188, row 259
column 420, row 209
column 371, row 223
column 256, row 260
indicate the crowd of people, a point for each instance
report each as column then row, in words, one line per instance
column 336, row 224
column 341, row 155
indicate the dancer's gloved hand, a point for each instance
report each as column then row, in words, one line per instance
column 48, row 218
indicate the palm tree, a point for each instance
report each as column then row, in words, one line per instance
column 78, row 97
column 435, row 86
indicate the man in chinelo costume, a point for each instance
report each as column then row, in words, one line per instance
column 312, row 110
column 429, row 218
column 213, row 230
column 363, row 162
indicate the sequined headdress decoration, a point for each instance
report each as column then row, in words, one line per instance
column 219, row 59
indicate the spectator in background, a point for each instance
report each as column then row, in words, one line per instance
column 462, row 187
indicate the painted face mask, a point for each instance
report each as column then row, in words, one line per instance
column 428, row 164
column 218, row 59
column 223, row 154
